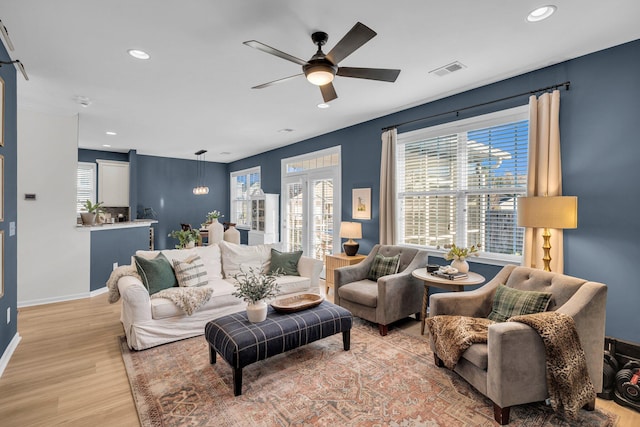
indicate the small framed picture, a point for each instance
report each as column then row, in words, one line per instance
column 361, row 203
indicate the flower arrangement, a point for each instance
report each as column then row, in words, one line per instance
column 213, row 215
column 459, row 253
column 185, row 237
column 254, row 286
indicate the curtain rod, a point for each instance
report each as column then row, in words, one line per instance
column 457, row 110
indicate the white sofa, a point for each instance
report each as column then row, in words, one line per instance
column 150, row 322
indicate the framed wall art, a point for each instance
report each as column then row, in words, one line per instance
column 361, row 203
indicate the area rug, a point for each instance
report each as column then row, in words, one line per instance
column 381, row 381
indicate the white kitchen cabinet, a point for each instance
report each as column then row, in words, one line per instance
column 113, row 183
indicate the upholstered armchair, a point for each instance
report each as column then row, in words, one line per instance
column 510, row 368
column 391, row 297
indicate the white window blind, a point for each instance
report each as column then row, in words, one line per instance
column 243, row 184
column 86, row 184
column 458, row 183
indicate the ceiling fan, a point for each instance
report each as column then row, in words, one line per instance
column 321, row 69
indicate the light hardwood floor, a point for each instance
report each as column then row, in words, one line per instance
column 67, row 370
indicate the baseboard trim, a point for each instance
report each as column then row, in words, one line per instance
column 34, row 302
column 6, row 356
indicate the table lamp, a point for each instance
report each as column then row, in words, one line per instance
column 350, row 230
column 548, row 212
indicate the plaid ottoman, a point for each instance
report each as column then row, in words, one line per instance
column 242, row 343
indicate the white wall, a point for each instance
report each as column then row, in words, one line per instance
column 53, row 256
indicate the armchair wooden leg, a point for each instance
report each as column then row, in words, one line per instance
column 383, row 329
column 437, row 361
column 501, row 415
column 591, row 405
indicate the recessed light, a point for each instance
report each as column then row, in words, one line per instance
column 139, row 54
column 285, row 130
column 225, row 153
column 106, row 145
column 111, row 133
column 541, row 13
column 323, row 105
column 83, row 101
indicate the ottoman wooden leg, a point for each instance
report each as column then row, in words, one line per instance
column 346, row 340
column 212, row 355
column 237, row 381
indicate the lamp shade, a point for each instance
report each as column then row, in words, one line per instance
column 351, row 230
column 548, row 212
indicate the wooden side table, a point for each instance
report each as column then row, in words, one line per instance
column 439, row 282
column 336, row 261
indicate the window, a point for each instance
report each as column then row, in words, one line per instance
column 243, row 184
column 86, row 184
column 458, row 183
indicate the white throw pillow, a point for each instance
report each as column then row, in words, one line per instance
column 212, row 260
column 235, row 257
column 190, row 272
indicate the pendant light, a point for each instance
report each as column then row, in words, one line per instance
column 200, row 189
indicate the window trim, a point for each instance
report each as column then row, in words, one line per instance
column 94, row 173
column 458, row 126
column 232, row 199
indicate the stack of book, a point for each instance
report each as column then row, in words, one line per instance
column 454, row 276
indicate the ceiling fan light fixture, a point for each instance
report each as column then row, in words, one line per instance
column 319, row 75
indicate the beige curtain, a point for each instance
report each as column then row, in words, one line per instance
column 545, row 174
column 388, row 188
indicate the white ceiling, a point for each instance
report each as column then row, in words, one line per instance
column 195, row 91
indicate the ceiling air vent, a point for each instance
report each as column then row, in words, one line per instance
column 448, row 69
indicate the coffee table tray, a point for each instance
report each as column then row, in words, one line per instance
column 297, row 303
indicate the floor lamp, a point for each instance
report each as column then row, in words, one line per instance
column 548, row 212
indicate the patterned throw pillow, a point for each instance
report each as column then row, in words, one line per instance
column 509, row 302
column 190, row 272
column 383, row 266
column 156, row 273
column 285, row 263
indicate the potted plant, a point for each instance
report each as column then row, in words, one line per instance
column 254, row 288
column 92, row 210
column 459, row 255
column 186, row 238
column 215, row 230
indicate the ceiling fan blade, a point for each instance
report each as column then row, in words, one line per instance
column 263, row 85
column 328, row 92
column 356, row 37
column 383, row 74
column 268, row 49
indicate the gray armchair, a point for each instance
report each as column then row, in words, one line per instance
column 392, row 297
column 510, row 368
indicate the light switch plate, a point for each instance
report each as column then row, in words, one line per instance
column 12, row 228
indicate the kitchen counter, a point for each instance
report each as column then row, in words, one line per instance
column 118, row 225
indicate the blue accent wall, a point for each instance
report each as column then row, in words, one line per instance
column 9, row 151
column 600, row 151
column 117, row 245
column 166, row 185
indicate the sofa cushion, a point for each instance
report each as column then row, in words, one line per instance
column 163, row 308
column 237, row 257
column 508, row 302
column 363, row 292
column 190, row 272
column 478, row 355
column 156, row 273
column 383, row 266
column 285, row 263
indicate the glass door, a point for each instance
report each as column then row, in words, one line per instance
column 310, row 205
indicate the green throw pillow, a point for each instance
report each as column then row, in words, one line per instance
column 285, row 263
column 156, row 273
column 383, row 266
column 509, row 302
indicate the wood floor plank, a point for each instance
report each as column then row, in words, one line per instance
column 67, row 370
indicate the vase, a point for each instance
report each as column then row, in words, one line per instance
column 190, row 244
column 461, row 265
column 215, row 232
column 88, row 218
column 257, row 312
column 232, row 235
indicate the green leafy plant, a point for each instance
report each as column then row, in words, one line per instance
column 253, row 286
column 184, row 237
column 213, row 215
column 95, row 208
column 457, row 252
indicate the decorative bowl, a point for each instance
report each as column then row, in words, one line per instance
column 297, row 303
